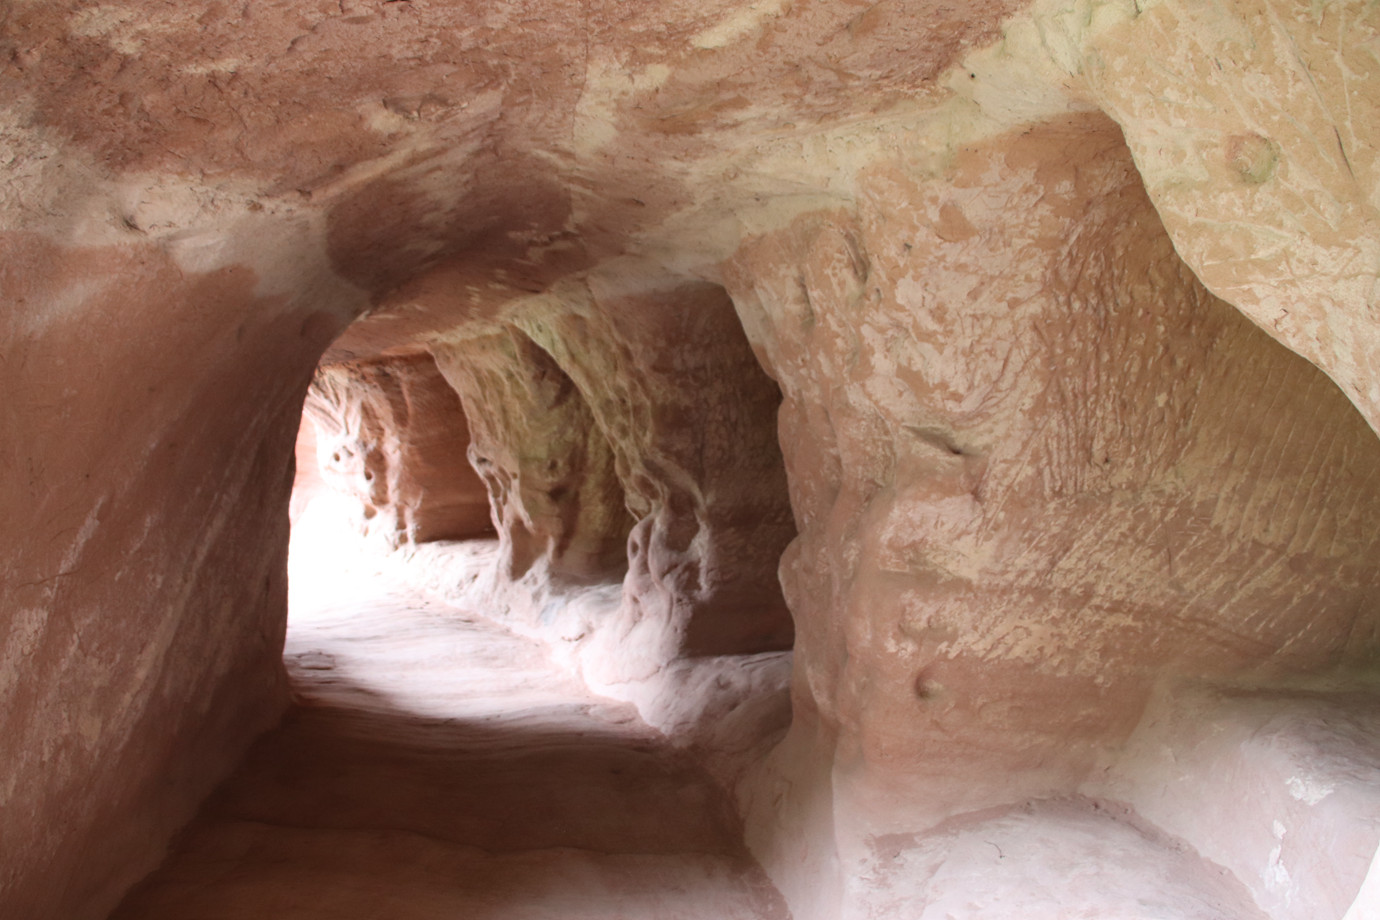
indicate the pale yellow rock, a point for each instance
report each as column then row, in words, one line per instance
column 1253, row 125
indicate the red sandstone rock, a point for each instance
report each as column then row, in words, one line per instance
column 392, row 434
column 671, row 380
column 1038, row 468
column 435, row 766
column 1026, row 498
column 639, row 402
column 548, row 467
column 143, row 588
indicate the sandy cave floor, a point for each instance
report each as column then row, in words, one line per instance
column 435, row 765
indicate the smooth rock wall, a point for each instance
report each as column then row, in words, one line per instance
column 148, row 427
column 1276, row 784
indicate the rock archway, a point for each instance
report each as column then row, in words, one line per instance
column 1036, row 282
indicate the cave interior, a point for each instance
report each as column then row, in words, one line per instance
column 724, row 459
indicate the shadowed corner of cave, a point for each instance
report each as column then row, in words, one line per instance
column 478, row 545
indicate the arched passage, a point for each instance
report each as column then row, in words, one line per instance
column 200, row 200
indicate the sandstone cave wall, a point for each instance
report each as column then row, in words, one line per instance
column 147, row 455
column 1038, row 469
column 1252, row 124
column 555, row 498
column 672, row 381
column 630, row 433
column 391, row 434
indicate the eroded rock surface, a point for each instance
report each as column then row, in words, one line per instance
column 548, row 467
column 435, row 765
column 1044, row 478
column 1026, row 498
column 630, row 430
column 671, row 379
column 391, row 433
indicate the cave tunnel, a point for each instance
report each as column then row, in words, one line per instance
column 736, row 460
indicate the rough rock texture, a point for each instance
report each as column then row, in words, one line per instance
column 391, row 433
column 1044, row 478
column 671, row 379
column 605, row 399
column 1027, row 496
column 1253, row 124
column 674, row 388
column 548, row 468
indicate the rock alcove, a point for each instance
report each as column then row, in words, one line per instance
column 1015, row 366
